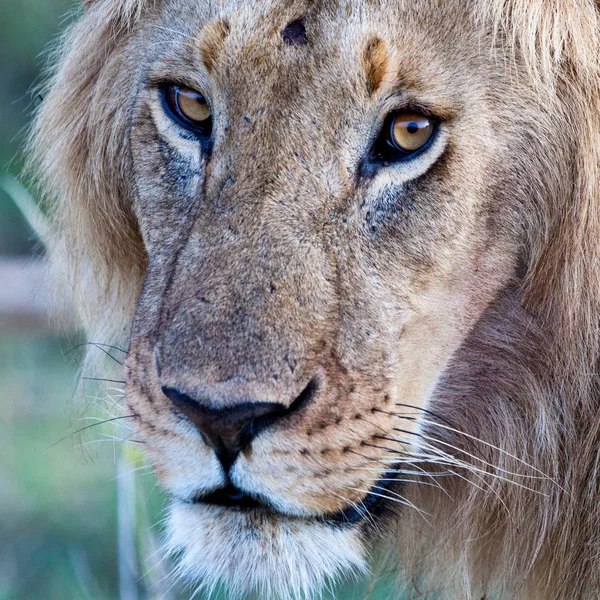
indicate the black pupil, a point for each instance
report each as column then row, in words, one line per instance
column 412, row 128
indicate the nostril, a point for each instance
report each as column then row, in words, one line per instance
column 305, row 397
column 227, row 430
column 177, row 397
column 230, row 429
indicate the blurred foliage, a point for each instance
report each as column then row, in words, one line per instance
column 27, row 28
column 55, row 510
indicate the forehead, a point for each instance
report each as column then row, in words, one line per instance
column 369, row 45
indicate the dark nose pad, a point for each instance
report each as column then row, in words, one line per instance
column 227, row 430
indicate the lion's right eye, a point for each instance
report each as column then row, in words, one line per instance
column 189, row 109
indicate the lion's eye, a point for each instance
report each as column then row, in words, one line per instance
column 189, row 109
column 410, row 131
column 404, row 136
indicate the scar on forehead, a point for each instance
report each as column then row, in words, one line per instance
column 294, row 33
column 212, row 37
column 376, row 63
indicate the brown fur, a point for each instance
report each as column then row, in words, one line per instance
column 475, row 297
column 212, row 43
column 375, row 64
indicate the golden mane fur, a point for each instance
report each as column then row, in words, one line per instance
column 538, row 389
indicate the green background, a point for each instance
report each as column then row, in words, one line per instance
column 58, row 490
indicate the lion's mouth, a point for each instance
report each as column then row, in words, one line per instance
column 231, row 497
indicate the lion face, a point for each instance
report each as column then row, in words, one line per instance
column 327, row 212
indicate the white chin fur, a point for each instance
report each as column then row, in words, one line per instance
column 275, row 557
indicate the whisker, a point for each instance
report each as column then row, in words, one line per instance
column 112, row 418
column 97, row 345
column 490, row 446
column 362, row 510
column 160, row 566
column 416, row 482
column 408, row 502
column 434, row 483
column 463, row 451
column 452, row 460
column 108, row 441
column 442, row 458
column 467, row 480
column 392, row 450
column 416, row 473
column 451, row 427
column 114, row 438
column 101, row 379
column 131, row 472
column 394, row 414
column 90, row 426
column 399, row 500
column 427, row 412
column 491, row 489
column 448, row 473
column 421, row 458
column 414, row 419
column 107, row 406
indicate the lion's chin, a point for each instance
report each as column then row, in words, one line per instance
column 255, row 552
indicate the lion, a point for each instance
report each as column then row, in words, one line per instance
column 352, row 249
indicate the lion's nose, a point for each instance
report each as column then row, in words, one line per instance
column 227, row 430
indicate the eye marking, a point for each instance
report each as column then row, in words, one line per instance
column 404, row 136
column 189, row 109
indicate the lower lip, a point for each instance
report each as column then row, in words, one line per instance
column 231, row 497
column 371, row 505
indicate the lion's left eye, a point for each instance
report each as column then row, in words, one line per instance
column 189, row 108
column 404, row 135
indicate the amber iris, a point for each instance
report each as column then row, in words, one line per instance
column 409, row 132
column 189, row 108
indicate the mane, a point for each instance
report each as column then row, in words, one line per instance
column 532, row 361
column 559, row 43
column 96, row 248
column 525, row 387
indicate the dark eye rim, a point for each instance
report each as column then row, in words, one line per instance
column 202, row 130
column 385, row 150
